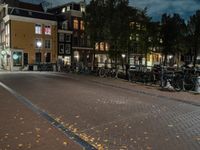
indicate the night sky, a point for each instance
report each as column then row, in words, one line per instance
column 155, row 7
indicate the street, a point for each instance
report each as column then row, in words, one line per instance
column 104, row 113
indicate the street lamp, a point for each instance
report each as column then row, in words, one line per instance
column 123, row 56
column 39, row 45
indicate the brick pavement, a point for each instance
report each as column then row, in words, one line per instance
column 187, row 97
column 116, row 114
column 22, row 129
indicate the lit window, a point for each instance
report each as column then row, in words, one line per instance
column 61, row 37
column 61, row 48
column 82, row 8
column 47, row 30
column 81, row 25
column 68, row 8
column 75, row 24
column 38, row 29
column 47, row 44
column 102, row 46
column 97, row 46
column 63, row 10
column 106, row 46
column 67, row 49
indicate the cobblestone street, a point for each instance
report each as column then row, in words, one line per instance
column 106, row 113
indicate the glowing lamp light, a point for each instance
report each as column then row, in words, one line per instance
column 3, row 52
column 123, row 55
column 15, row 56
column 170, row 56
column 39, row 44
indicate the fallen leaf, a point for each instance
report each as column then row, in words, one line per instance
column 64, row 143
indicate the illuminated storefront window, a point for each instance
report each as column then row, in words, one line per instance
column 17, row 59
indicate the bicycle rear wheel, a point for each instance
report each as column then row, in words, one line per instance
column 102, row 73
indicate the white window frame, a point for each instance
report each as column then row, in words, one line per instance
column 37, row 31
column 45, row 44
column 63, row 37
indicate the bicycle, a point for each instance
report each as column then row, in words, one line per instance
column 107, row 72
column 171, row 79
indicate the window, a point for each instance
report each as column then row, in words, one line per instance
column 82, row 40
column 81, row 25
column 75, row 41
column 61, row 37
column 61, row 48
column 38, row 29
column 106, row 46
column 38, row 57
column 25, row 59
column 38, row 43
column 68, row 8
column 67, row 49
column 68, row 37
column 75, row 24
column 17, row 58
column 47, row 30
column 48, row 57
column 97, row 46
column 63, row 10
column 64, row 25
column 82, row 8
column 102, row 46
column 47, row 44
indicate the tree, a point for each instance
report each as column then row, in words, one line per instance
column 173, row 33
column 194, row 34
column 118, row 29
column 94, row 20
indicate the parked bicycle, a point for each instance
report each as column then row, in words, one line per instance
column 108, row 72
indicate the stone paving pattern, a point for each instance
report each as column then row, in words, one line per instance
column 114, row 114
column 21, row 129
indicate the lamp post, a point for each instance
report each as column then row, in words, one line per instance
column 39, row 45
column 123, row 57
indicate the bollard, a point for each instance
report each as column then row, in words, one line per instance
column 197, row 85
column 35, row 68
column 54, row 67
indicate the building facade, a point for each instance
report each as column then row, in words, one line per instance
column 28, row 35
column 73, row 44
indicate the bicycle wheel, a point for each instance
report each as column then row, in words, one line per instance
column 178, row 85
column 102, row 72
column 189, row 84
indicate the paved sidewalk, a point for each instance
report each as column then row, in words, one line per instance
column 22, row 129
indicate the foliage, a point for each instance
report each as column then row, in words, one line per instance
column 194, row 34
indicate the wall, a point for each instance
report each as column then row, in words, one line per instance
column 23, row 37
